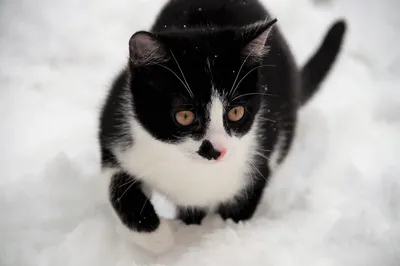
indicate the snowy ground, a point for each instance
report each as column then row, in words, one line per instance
column 336, row 200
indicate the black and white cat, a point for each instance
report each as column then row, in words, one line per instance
column 208, row 96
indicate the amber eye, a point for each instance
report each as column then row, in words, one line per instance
column 236, row 113
column 184, row 118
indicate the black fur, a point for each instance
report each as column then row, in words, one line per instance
column 193, row 31
column 318, row 66
column 141, row 217
column 191, row 215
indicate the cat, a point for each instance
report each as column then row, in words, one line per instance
column 208, row 96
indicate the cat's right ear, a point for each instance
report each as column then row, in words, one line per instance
column 255, row 38
column 145, row 49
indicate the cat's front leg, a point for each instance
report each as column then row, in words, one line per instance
column 243, row 208
column 137, row 213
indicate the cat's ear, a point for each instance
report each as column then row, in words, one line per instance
column 255, row 36
column 145, row 49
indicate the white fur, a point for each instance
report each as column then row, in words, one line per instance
column 216, row 133
column 164, row 208
column 181, row 174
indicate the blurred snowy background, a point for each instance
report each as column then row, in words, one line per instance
column 335, row 201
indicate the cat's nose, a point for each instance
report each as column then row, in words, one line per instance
column 223, row 152
column 208, row 151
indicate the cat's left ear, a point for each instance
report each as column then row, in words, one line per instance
column 255, row 38
column 146, row 49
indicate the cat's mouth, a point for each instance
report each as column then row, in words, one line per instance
column 207, row 151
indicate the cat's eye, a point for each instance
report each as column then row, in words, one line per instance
column 236, row 113
column 185, row 118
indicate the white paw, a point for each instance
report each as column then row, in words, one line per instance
column 163, row 206
column 159, row 241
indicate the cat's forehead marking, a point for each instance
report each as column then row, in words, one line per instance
column 216, row 111
column 216, row 133
column 216, row 108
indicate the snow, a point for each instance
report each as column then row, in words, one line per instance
column 335, row 201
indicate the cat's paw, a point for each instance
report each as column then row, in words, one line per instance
column 159, row 241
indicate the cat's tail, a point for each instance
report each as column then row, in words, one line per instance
column 318, row 66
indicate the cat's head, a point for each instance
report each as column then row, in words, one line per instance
column 198, row 89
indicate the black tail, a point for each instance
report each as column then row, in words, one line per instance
column 321, row 62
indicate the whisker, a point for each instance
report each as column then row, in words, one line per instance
column 247, row 111
column 251, row 70
column 126, row 190
column 144, row 204
column 254, row 93
column 183, row 75
column 262, row 155
column 261, row 149
column 240, row 69
column 267, row 119
column 130, row 181
column 139, row 177
column 252, row 184
column 173, row 72
column 255, row 168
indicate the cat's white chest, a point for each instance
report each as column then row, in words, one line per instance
column 186, row 180
column 190, row 183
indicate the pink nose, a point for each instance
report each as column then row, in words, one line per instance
column 223, row 152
